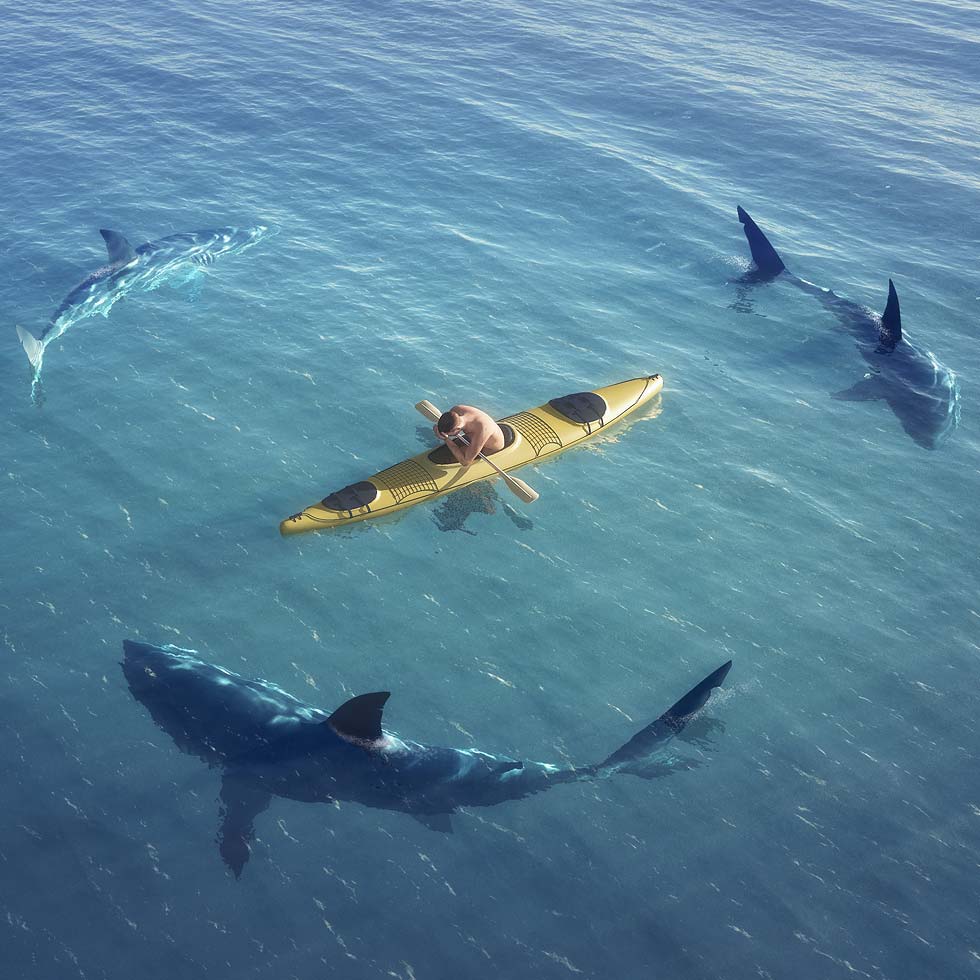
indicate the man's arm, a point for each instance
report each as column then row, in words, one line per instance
column 477, row 439
column 458, row 450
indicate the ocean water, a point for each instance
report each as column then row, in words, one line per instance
column 496, row 203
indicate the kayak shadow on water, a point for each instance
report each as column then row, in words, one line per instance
column 480, row 498
column 608, row 437
column 453, row 510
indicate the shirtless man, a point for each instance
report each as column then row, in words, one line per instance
column 482, row 433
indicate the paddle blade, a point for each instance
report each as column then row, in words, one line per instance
column 428, row 410
column 522, row 490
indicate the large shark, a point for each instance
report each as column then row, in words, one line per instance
column 268, row 744
column 923, row 393
column 144, row 267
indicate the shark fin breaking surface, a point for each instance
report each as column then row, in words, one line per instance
column 766, row 258
column 891, row 322
column 670, row 722
column 119, row 249
column 359, row 719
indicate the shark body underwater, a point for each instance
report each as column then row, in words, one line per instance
column 922, row 393
column 142, row 268
column 269, row 743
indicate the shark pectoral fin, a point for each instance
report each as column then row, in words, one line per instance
column 440, row 822
column 120, row 251
column 241, row 802
column 669, row 723
column 868, row 389
column 33, row 347
column 359, row 720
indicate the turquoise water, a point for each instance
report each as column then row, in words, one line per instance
column 497, row 204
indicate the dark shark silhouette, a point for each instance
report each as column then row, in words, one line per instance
column 923, row 394
column 142, row 268
column 268, row 744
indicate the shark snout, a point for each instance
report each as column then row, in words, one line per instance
column 262, row 231
column 135, row 648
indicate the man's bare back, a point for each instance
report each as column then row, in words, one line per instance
column 482, row 433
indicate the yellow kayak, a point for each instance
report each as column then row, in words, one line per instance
column 529, row 437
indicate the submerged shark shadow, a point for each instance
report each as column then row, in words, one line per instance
column 922, row 393
column 145, row 268
column 268, row 743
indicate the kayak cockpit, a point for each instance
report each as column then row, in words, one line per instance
column 442, row 455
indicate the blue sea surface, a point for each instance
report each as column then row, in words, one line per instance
column 496, row 203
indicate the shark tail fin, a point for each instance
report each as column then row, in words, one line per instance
column 890, row 332
column 766, row 258
column 33, row 347
column 669, row 723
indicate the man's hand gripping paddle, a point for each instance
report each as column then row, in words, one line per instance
column 518, row 487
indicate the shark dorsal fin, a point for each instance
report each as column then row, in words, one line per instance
column 359, row 719
column 890, row 332
column 120, row 251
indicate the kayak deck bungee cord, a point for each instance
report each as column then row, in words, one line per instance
column 529, row 437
